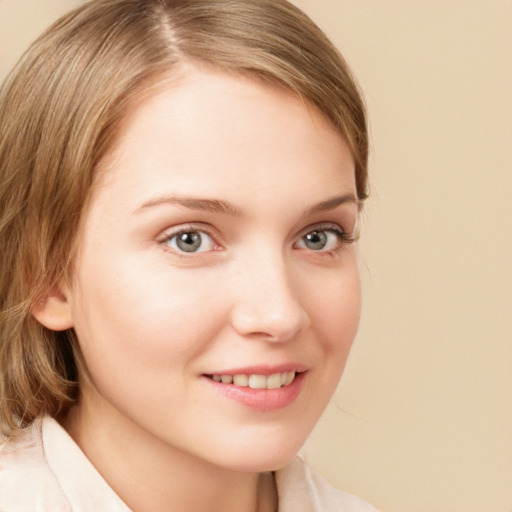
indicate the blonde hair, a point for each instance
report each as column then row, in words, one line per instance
column 59, row 111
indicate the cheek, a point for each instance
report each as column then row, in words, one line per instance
column 143, row 321
column 339, row 314
column 337, row 310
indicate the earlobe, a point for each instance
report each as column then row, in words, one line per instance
column 53, row 311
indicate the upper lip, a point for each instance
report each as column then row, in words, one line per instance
column 264, row 369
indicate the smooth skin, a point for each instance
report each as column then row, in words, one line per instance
column 219, row 236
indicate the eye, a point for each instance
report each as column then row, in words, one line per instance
column 190, row 241
column 321, row 239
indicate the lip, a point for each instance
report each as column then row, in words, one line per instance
column 262, row 400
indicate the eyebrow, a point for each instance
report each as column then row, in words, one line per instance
column 227, row 208
column 331, row 204
column 195, row 203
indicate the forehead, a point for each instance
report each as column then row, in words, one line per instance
column 207, row 128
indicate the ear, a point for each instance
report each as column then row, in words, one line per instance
column 53, row 311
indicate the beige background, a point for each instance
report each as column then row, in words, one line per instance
column 423, row 418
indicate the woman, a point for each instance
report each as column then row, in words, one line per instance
column 181, row 183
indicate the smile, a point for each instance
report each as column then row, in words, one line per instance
column 262, row 390
column 255, row 381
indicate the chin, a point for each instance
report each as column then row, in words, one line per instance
column 266, row 453
column 262, row 463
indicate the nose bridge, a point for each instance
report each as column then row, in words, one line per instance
column 268, row 300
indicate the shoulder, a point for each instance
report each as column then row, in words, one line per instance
column 302, row 490
column 26, row 480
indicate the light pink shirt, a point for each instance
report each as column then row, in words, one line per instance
column 44, row 470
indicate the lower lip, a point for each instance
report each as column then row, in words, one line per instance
column 263, row 400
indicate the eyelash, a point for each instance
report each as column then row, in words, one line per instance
column 342, row 236
column 168, row 237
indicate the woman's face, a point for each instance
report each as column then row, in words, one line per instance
column 216, row 247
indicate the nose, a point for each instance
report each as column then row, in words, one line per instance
column 267, row 300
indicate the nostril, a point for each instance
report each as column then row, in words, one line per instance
column 278, row 323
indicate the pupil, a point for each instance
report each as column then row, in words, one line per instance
column 316, row 240
column 189, row 242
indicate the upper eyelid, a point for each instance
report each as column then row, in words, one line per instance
column 171, row 233
column 186, row 228
column 346, row 235
column 209, row 230
column 323, row 226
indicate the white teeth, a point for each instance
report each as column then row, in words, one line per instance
column 289, row 378
column 257, row 382
column 274, row 381
column 241, row 380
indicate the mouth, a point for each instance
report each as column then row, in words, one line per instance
column 256, row 381
column 262, row 389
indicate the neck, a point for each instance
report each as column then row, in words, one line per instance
column 148, row 474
